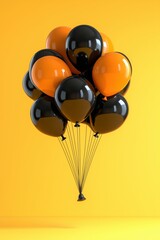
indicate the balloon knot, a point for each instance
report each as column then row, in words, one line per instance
column 63, row 138
column 96, row 135
column 81, row 197
column 104, row 98
column 77, row 124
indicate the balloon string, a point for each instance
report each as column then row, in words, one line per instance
column 96, row 143
column 71, row 165
column 84, row 160
column 74, row 133
column 68, row 159
column 71, row 158
column 79, row 156
column 78, row 159
column 72, row 145
column 76, row 149
column 90, row 147
column 84, row 153
column 87, row 154
column 88, row 158
column 92, row 156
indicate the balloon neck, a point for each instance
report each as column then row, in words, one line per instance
column 96, row 135
column 81, row 197
column 63, row 138
column 104, row 98
column 77, row 124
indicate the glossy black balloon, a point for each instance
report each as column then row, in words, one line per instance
column 29, row 88
column 75, row 98
column 43, row 53
column 88, row 75
column 46, row 117
column 109, row 115
column 84, row 46
column 87, row 121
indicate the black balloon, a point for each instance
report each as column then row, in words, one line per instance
column 46, row 117
column 29, row 88
column 109, row 115
column 87, row 121
column 84, row 46
column 75, row 98
column 88, row 75
column 43, row 53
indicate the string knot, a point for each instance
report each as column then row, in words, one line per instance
column 81, row 197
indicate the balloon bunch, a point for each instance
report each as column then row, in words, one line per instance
column 78, row 80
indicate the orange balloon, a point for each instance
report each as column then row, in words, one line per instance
column 107, row 44
column 111, row 73
column 56, row 40
column 47, row 73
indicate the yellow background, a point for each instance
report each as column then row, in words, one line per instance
column 124, row 179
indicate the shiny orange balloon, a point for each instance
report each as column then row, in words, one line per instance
column 56, row 40
column 107, row 44
column 111, row 73
column 48, row 72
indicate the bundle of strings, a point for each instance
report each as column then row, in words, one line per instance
column 79, row 145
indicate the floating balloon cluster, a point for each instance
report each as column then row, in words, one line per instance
column 78, row 79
